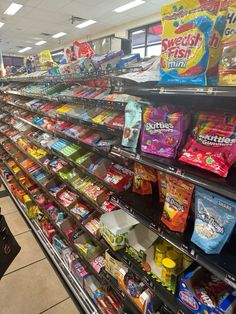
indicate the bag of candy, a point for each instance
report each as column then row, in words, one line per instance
column 177, row 203
column 187, row 28
column 212, row 147
column 162, row 131
column 143, row 178
column 214, row 221
column 215, row 44
column 227, row 68
column 133, row 118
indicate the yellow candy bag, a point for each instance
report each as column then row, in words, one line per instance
column 187, row 28
column 227, row 69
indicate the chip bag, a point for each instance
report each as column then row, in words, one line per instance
column 187, row 29
column 162, row 185
column 177, row 203
column 214, row 221
column 227, row 68
column 143, row 176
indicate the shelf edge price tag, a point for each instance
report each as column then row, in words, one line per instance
column 231, row 280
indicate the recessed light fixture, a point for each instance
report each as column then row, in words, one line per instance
column 13, row 8
column 1, row 24
column 24, row 49
column 39, row 43
column 86, row 24
column 58, row 35
column 129, row 6
column 138, row 32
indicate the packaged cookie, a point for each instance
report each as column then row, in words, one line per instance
column 214, row 221
column 187, row 28
column 133, row 118
column 177, row 203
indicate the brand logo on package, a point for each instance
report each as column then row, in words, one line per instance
column 188, row 300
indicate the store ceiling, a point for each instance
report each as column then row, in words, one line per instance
column 25, row 28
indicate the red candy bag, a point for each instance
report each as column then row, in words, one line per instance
column 213, row 146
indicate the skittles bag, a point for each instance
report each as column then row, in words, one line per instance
column 187, row 29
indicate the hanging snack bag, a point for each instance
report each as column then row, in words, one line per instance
column 162, row 185
column 215, row 45
column 133, row 119
column 227, row 69
column 212, row 148
column 177, row 203
column 214, row 221
column 162, row 131
column 143, row 178
column 187, row 29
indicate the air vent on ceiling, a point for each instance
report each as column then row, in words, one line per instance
column 77, row 19
column 20, row 46
column 45, row 34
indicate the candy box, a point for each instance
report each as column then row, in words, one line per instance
column 114, row 228
column 202, row 292
column 80, row 272
column 139, row 239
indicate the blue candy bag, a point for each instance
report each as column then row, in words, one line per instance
column 214, row 221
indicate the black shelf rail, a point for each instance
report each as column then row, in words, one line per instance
column 193, row 175
column 118, row 105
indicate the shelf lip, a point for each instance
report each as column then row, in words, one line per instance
column 49, row 249
column 165, row 90
column 177, row 171
column 119, row 105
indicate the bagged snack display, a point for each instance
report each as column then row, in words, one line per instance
column 213, row 145
column 133, row 118
column 215, row 45
column 227, row 69
column 214, row 221
column 163, row 131
column 162, row 184
column 177, row 203
column 143, row 176
column 187, row 28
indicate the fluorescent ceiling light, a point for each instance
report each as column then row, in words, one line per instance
column 129, row 6
column 13, row 8
column 1, row 24
column 39, row 43
column 58, row 35
column 138, row 32
column 24, row 49
column 86, row 24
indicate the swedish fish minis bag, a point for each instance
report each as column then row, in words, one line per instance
column 187, row 28
column 227, row 70
column 215, row 45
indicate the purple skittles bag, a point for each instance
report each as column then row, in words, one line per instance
column 163, row 131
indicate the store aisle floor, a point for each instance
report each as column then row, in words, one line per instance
column 30, row 286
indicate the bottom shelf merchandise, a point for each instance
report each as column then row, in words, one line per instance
column 120, row 265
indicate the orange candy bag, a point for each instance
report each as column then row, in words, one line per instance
column 177, row 203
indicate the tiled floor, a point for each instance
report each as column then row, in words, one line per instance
column 30, row 285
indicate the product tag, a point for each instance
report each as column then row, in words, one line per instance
column 231, row 280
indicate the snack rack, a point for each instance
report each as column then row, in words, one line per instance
column 215, row 98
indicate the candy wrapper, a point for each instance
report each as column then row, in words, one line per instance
column 163, row 131
column 162, row 185
column 213, row 145
column 227, row 69
column 143, row 176
column 177, row 203
column 214, row 221
column 133, row 118
column 187, row 28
